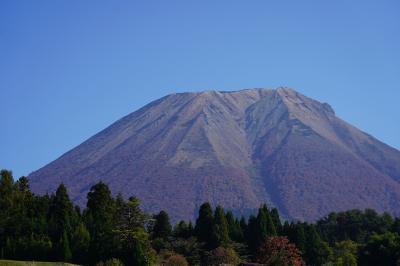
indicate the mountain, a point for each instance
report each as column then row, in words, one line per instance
column 237, row 149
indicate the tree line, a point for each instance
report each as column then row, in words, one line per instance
column 116, row 231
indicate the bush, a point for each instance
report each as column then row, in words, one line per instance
column 220, row 256
column 177, row 260
column 277, row 250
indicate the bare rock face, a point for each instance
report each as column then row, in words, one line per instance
column 237, row 149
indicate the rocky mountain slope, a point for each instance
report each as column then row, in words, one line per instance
column 237, row 149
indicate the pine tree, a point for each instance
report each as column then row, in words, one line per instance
column 220, row 227
column 252, row 233
column 23, row 184
column 99, row 221
column 60, row 230
column 6, row 191
column 295, row 233
column 243, row 225
column 139, row 255
column 190, row 228
column 316, row 251
column 66, row 254
column 264, row 226
column 162, row 227
column 234, row 228
column 80, row 243
column 276, row 220
column 204, row 224
column 180, row 230
column 134, row 246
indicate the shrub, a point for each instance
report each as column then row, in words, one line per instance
column 177, row 260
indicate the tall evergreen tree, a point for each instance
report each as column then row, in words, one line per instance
column 80, row 244
column 6, row 191
column 135, row 248
column 60, row 230
column 276, row 220
column 162, row 227
column 234, row 228
column 264, row 226
column 204, row 224
column 316, row 251
column 299, row 236
column 252, row 234
column 99, row 222
column 220, row 227
column 66, row 254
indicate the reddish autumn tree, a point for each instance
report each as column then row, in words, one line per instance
column 278, row 251
column 176, row 260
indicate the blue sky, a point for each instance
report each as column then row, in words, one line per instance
column 70, row 68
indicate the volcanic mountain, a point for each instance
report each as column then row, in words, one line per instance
column 237, row 149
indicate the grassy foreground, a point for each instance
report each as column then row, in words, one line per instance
column 32, row 263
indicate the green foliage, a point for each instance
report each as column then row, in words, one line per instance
column 188, row 247
column 183, row 229
column 355, row 225
column 260, row 227
column 381, row 249
column 316, row 250
column 162, row 227
column 276, row 220
column 251, row 234
column 142, row 254
column 80, row 243
column 98, row 218
column 221, row 256
column 234, row 228
column 135, row 247
column 60, row 228
column 344, row 254
column 50, row 227
column 204, row 225
column 66, row 254
column 220, row 228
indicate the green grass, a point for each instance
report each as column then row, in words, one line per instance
column 32, row 263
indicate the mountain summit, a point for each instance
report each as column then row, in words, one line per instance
column 237, row 149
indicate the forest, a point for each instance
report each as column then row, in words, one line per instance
column 116, row 231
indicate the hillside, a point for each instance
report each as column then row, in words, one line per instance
column 237, row 149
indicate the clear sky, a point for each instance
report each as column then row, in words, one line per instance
column 70, row 68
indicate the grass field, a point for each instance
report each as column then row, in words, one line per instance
column 32, row 263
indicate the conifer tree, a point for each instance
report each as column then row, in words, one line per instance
column 162, row 227
column 80, row 243
column 234, row 228
column 243, row 225
column 276, row 220
column 316, row 251
column 220, row 227
column 135, row 248
column 252, row 233
column 99, row 222
column 190, row 228
column 300, row 236
column 264, row 226
column 204, row 224
column 60, row 230
column 6, row 191
column 66, row 254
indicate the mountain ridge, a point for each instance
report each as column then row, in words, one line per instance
column 237, row 149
